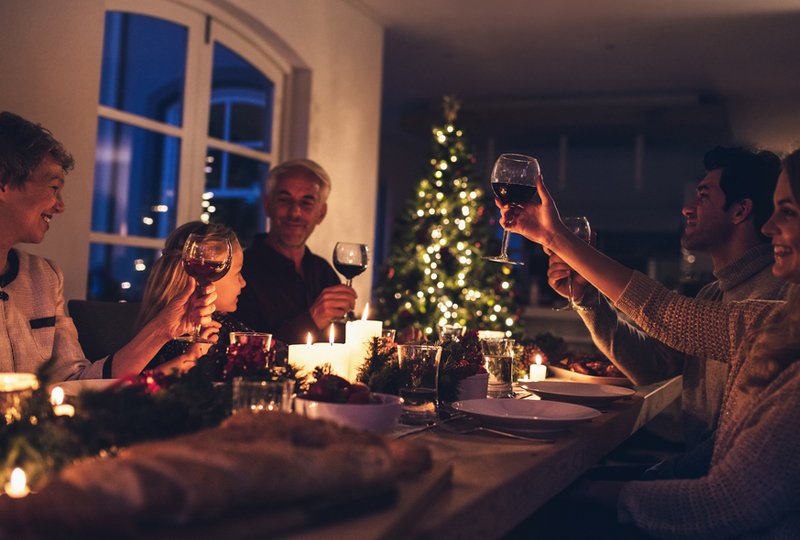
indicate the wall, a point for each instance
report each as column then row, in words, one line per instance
column 51, row 75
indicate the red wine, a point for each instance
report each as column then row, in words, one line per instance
column 205, row 271
column 349, row 271
column 514, row 193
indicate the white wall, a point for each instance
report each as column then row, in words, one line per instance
column 50, row 59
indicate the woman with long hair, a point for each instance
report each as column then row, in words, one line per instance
column 751, row 486
column 167, row 278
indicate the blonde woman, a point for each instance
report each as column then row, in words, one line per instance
column 167, row 278
column 750, row 489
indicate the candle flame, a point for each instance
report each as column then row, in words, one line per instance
column 56, row 398
column 18, row 481
column 538, row 359
column 308, row 341
column 365, row 317
column 331, row 335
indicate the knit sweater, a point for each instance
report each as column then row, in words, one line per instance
column 34, row 326
column 646, row 360
column 751, row 488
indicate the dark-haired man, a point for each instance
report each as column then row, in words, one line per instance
column 724, row 220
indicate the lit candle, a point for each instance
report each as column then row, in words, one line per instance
column 17, row 486
column 300, row 356
column 57, row 401
column 306, row 357
column 538, row 370
column 358, row 335
column 14, row 389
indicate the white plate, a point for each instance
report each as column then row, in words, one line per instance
column 523, row 414
column 576, row 392
column 73, row 388
column 565, row 374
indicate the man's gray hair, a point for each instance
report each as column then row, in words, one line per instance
column 301, row 166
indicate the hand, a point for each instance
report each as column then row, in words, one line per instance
column 188, row 360
column 557, row 273
column 189, row 308
column 538, row 222
column 333, row 302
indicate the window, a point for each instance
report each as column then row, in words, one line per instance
column 188, row 121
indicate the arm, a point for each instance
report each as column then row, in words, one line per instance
column 751, row 486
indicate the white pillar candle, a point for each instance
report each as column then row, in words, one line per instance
column 538, row 370
column 17, row 486
column 57, row 401
column 300, row 355
column 308, row 356
column 357, row 337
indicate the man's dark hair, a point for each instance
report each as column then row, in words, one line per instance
column 746, row 174
column 23, row 147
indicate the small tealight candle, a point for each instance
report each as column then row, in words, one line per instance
column 57, row 401
column 17, row 486
column 538, row 370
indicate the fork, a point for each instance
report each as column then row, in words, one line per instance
column 472, row 428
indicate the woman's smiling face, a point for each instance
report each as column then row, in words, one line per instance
column 784, row 230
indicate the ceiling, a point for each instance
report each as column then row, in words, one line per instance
column 500, row 50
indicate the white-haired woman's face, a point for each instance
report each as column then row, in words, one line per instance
column 231, row 284
column 784, row 230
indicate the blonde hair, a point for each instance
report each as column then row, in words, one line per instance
column 167, row 277
column 300, row 166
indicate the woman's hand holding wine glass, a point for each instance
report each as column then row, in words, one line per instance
column 206, row 259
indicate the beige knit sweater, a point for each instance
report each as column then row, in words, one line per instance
column 751, row 489
column 34, row 327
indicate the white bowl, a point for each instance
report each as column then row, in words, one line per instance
column 377, row 417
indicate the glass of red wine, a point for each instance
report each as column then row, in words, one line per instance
column 350, row 260
column 513, row 182
column 206, row 258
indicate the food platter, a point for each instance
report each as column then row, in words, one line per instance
column 526, row 415
column 577, row 392
column 565, row 374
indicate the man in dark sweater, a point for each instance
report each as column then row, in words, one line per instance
column 290, row 291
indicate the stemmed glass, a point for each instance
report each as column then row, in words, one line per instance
column 350, row 259
column 206, row 258
column 513, row 182
column 580, row 227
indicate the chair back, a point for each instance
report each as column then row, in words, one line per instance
column 103, row 327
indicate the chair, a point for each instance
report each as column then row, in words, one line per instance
column 103, row 327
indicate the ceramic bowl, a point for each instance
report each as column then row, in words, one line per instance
column 377, row 417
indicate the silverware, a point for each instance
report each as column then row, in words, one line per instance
column 472, row 427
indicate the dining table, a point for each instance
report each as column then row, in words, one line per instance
column 482, row 485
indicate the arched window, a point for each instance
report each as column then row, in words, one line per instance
column 189, row 123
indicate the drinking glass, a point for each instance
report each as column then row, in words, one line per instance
column 420, row 396
column 350, row 259
column 260, row 396
column 513, row 182
column 206, row 258
column 499, row 357
column 580, row 227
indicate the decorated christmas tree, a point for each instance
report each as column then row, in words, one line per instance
column 434, row 274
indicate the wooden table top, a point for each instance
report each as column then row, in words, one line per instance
column 496, row 482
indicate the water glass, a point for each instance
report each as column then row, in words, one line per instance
column 15, row 390
column 499, row 357
column 420, row 395
column 259, row 396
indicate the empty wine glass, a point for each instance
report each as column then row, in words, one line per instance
column 513, row 182
column 350, row 259
column 580, row 227
column 206, row 258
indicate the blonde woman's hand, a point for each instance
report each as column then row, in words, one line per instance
column 188, row 360
column 192, row 306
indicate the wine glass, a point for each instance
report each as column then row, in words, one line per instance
column 580, row 227
column 206, row 258
column 350, row 259
column 513, row 182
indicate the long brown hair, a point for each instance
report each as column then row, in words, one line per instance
column 167, row 277
column 777, row 344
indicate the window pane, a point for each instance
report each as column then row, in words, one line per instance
column 144, row 64
column 135, row 181
column 119, row 272
column 234, row 192
column 241, row 101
